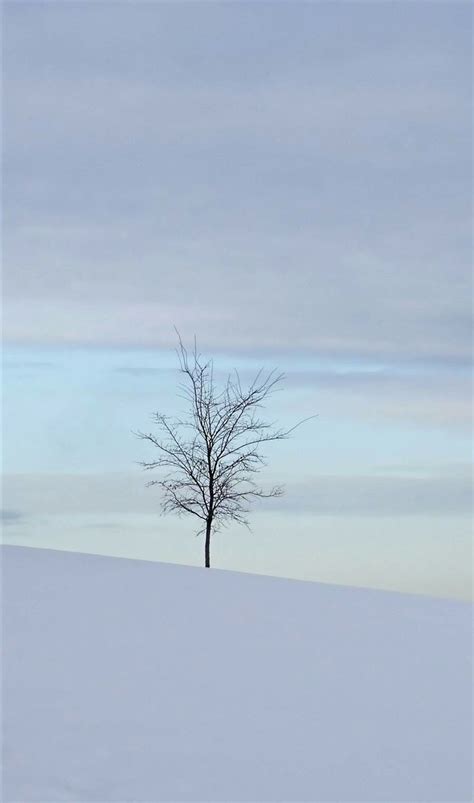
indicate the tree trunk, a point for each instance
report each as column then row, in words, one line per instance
column 208, row 544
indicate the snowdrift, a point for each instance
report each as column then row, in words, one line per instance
column 133, row 681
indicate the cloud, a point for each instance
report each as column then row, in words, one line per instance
column 10, row 517
column 262, row 185
column 437, row 395
column 280, row 112
column 81, row 494
column 378, row 496
column 442, row 494
column 232, row 300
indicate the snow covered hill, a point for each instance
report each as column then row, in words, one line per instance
column 134, row 681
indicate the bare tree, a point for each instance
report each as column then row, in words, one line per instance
column 210, row 457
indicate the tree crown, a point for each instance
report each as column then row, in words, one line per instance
column 212, row 454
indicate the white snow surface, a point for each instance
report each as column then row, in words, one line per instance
column 135, row 681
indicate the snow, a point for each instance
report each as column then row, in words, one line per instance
column 136, row 681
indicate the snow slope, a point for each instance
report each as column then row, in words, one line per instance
column 135, row 681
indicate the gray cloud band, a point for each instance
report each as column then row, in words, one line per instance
column 301, row 201
column 55, row 494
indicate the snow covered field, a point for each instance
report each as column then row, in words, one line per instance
column 133, row 681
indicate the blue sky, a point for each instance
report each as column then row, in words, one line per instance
column 290, row 184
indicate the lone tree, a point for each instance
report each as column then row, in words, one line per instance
column 210, row 457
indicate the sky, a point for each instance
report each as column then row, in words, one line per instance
column 291, row 183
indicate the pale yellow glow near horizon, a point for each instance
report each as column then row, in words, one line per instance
column 407, row 556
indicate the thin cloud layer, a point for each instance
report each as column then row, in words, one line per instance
column 374, row 495
column 9, row 517
column 317, row 197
